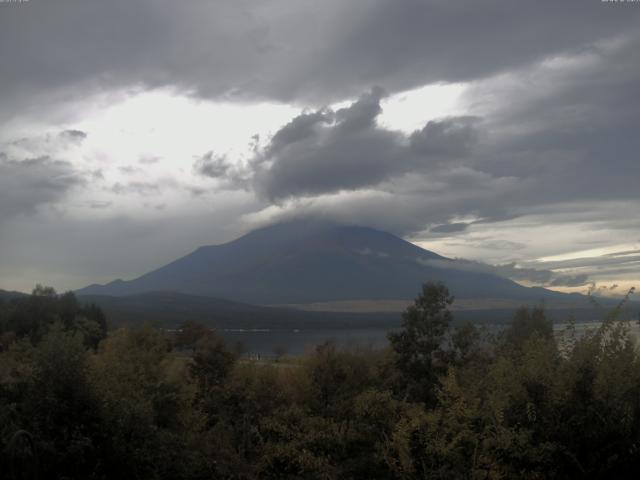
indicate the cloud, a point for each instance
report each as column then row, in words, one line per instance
column 580, row 271
column 74, row 135
column 129, row 170
column 28, row 184
column 539, row 277
column 404, row 206
column 573, row 132
column 315, row 52
column 300, row 128
column 324, row 151
column 449, row 228
column 212, row 166
column 570, row 280
column 99, row 205
column 148, row 160
column 559, row 147
column 41, row 144
column 592, row 262
column 135, row 188
column 448, row 137
column 548, row 135
column 508, row 160
column 501, row 245
column 72, row 251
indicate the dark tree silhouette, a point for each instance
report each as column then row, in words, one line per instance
column 418, row 346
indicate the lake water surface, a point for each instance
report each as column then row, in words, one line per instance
column 266, row 342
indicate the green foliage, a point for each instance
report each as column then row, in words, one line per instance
column 32, row 316
column 418, row 347
column 441, row 402
column 189, row 334
column 438, row 443
column 212, row 363
column 334, row 379
column 148, row 420
column 525, row 324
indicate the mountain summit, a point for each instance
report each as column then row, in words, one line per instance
column 307, row 262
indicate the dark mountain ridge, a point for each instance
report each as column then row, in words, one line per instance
column 304, row 262
column 10, row 295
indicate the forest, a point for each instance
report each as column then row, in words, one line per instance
column 80, row 400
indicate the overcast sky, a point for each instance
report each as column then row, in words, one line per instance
column 501, row 132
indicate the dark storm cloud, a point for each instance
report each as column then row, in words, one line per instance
column 574, row 134
column 397, row 43
column 557, row 139
column 548, row 138
column 300, row 128
column 408, row 207
column 28, row 184
column 285, row 49
column 446, row 137
column 325, row 151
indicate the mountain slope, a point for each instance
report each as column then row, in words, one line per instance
column 171, row 309
column 305, row 262
column 5, row 295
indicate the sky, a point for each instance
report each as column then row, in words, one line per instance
column 503, row 133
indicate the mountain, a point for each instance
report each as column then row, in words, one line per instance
column 306, row 262
column 10, row 295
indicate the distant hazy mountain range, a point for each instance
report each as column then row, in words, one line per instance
column 319, row 263
column 7, row 295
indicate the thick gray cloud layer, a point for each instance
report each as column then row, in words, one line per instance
column 283, row 49
column 551, row 129
column 564, row 148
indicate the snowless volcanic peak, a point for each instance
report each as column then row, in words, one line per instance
column 307, row 262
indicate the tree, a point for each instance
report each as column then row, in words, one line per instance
column 212, row 362
column 33, row 316
column 418, row 353
column 149, row 428
column 331, row 379
column 525, row 324
column 190, row 333
column 62, row 407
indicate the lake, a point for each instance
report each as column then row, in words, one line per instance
column 265, row 342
